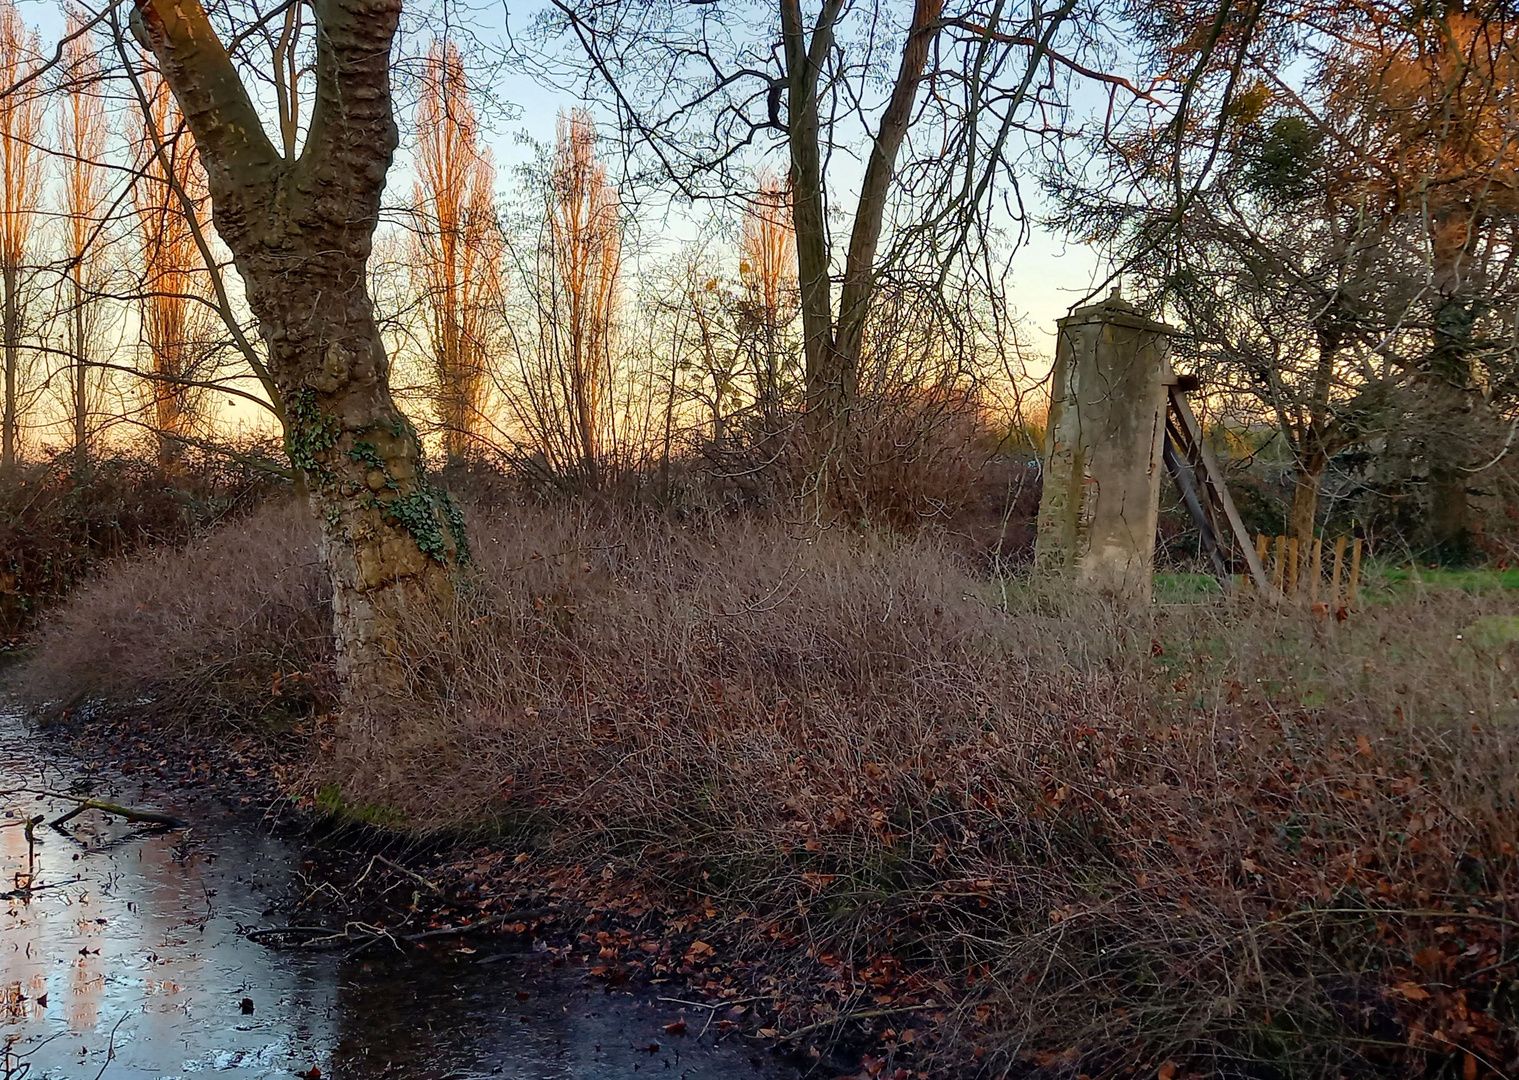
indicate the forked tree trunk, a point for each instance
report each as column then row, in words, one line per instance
column 832, row 342
column 300, row 232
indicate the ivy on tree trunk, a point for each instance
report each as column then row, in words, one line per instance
column 300, row 231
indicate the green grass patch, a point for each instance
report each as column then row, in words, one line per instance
column 1405, row 579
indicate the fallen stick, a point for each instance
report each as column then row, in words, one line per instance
column 844, row 1018
column 131, row 813
column 23, row 893
column 321, row 937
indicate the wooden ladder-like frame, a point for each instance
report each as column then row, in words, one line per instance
column 1201, row 482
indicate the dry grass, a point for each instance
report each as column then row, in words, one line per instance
column 1095, row 840
column 59, row 526
column 195, row 634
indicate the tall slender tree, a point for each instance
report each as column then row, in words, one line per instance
column 21, row 116
column 584, row 262
column 82, row 137
column 767, row 268
column 456, row 248
column 168, row 195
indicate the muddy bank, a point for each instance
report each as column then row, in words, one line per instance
column 125, row 950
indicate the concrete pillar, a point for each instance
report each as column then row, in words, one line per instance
column 1103, row 449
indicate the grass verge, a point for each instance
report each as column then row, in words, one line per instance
column 1041, row 833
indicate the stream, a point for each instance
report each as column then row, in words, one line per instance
column 127, row 959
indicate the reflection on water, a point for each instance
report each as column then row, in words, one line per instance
column 127, row 961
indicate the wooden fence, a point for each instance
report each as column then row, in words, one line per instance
column 1297, row 571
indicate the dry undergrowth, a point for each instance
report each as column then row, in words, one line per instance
column 1242, row 841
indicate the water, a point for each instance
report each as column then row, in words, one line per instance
column 129, row 961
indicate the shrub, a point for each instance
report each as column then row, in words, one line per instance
column 59, row 524
column 1082, row 837
column 233, row 627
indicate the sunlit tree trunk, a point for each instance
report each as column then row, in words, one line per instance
column 300, row 231
column 169, row 189
column 82, row 140
column 21, row 165
column 456, row 248
column 768, row 270
column 586, row 260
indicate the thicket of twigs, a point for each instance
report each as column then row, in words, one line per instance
column 60, row 524
column 1243, row 841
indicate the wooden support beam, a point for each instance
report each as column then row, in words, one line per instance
column 1213, row 478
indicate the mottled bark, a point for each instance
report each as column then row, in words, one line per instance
column 300, row 233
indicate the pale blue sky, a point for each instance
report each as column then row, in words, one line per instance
column 1049, row 274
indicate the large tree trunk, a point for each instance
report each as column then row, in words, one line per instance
column 300, row 233
column 804, row 60
column 832, row 344
column 1447, row 447
column 1450, row 400
column 1305, row 497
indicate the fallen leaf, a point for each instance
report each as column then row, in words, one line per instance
column 675, row 1027
column 1167, row 1071
column 1412, row 991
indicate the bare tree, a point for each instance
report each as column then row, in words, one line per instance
column 300, row 227
column 21, row 114
column 696, row 86
column 82, row 144
column 580, row 264
column 456, row 249
column 168, row 197
column 768, row 270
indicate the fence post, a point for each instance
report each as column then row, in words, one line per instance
column 1339, row 561
column 1317, row 572
column 1353, row 599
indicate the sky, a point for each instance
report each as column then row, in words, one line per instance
column 1049, row 274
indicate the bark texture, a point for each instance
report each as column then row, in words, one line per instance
column 1305, row 496
column 300, row 231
